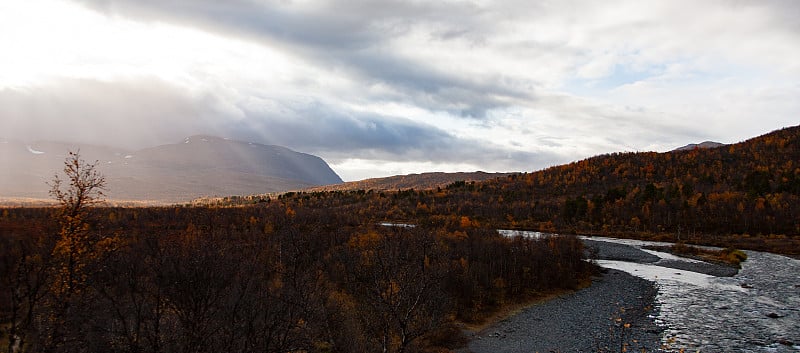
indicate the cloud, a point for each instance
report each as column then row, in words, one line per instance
column 338, row 133
column 444, row 55
column 142, row 113
column 495, row 85
column 357, row 38
column 122, row 114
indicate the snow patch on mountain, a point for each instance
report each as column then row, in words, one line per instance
column 31, row 150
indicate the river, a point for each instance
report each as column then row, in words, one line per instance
column 756, row 310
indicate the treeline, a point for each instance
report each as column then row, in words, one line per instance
column 275, row 277
column 744, row 195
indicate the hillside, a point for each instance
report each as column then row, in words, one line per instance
column 197, row 166
column 745, row 194
column 411, row 181
column 705, row 144
column 748, row 187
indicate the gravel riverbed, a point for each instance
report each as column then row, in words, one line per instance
column 620, row 252
column 615, row 311
column 615, row 314
column 584, row 321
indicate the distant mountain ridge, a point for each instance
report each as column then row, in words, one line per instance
column 195, row 167
column 705, row 144
column 410, row 181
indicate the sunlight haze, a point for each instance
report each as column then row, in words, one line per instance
column 379, row 88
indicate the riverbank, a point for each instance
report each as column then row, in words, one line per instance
column 700, row 308
column 615, row 311
column 603, row 250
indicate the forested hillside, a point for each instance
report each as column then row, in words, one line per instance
column 746, row 194
column 749, row 188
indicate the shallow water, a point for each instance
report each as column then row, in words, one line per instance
column 725, row 314
column 704, row 313
column 524, row 234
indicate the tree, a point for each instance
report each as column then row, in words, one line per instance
column 86, row 186
column 397, row 276
column 75, row 247
column 24, row 269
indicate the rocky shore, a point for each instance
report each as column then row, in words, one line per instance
column 614, row 312
column 604, row 250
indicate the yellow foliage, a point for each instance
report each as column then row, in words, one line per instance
column 391, row 291
column 364, row 241
column 465, row 222
column 499, row 283
column 456, row 235
column 342, row 299
column 277, row 282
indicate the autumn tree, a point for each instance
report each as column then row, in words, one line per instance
column 397, row 277
column 23, row 279
column 75, row 247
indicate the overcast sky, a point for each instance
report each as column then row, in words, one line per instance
column 378, row 88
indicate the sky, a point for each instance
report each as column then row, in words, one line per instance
column 379, row 88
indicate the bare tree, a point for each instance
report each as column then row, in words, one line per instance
column 86, row 186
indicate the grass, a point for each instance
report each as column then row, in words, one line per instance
column 728, row 256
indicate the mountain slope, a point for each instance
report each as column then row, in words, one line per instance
column 749, row 187
column 744, row 195
column 206, row 153
column 410, row 181
column 705, row 144
column 198, row 166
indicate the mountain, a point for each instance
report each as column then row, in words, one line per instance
column 705, row 144
column 197, row 166
column 410, row 181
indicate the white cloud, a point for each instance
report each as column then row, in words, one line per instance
column 541, row 82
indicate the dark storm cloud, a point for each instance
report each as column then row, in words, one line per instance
column 319, row 127
column 432, row 89
column 341, row 134
column 349, row 36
